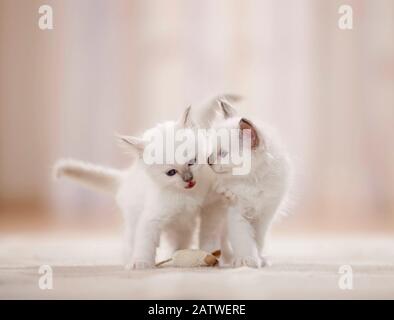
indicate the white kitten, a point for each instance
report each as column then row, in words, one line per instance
column 152, row 201
column 256, row 197
column 154, row 198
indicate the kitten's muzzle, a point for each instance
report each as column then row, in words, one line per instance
column 187, row 176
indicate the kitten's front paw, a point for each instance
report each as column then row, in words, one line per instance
column 230, row 196
column 139, row 265
column 248, row 261
column 219, row 189
column 264, row 262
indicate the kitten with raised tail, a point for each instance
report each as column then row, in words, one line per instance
column 163, row 198
column 254, row 198
column 154, row 198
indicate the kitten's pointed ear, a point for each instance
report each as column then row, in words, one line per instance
column 255, row 140
column 226, row 108
column 137, row 143
column 185, row 120
column 211, row 110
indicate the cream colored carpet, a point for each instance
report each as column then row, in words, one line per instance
column 301, row 268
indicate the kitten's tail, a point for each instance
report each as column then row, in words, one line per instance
column 90, row 175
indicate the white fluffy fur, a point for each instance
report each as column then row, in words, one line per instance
column 256, row 197
column 90, row 175
column 153, row 203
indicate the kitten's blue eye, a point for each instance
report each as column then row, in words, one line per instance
column 192, row 162
column 171, row 172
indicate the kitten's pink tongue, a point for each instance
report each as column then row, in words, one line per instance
column 191, row 184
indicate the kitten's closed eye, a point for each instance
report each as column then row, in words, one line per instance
column 192, row 162
column 171, row 172
column 223, row 153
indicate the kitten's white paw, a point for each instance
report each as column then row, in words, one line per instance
column 139, row 265
column 220, row 190
column 264, row 262
column 229, row 195
column 248, row 261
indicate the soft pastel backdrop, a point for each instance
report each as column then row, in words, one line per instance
column 121, row 66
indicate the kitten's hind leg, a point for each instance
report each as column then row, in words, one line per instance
column 242, row 239
column 261, row 228
column 128, row 241
column 227, row 253
column 130, row 224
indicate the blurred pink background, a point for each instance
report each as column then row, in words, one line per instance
column 121, row 66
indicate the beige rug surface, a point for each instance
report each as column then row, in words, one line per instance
column 300, row 268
